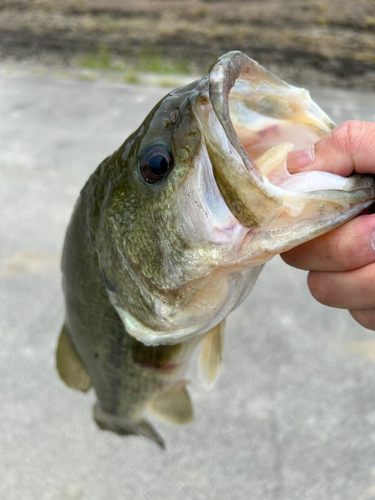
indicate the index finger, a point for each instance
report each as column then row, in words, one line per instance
column 349, row 148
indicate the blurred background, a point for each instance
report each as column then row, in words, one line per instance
column 292, row 415
column 329, row 42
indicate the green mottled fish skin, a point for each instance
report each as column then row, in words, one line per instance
column 125, row 373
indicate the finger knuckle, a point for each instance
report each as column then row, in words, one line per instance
column 347, row 136
column 342, row 253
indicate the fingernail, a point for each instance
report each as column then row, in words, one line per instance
column 300, row 159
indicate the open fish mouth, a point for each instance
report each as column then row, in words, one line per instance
column 257, row 120
column 188, row 250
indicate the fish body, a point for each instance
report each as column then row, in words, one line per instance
column 95, row 350
column 170, row 233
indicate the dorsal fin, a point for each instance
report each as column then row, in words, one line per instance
column 174, row 406
column 211, row 355
column 69, row 364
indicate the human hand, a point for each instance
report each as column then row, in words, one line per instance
column 342, row 262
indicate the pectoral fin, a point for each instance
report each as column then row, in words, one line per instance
column 174, row 406
column 70, row 366
column 211, row 355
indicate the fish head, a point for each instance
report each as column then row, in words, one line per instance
column 199, row 197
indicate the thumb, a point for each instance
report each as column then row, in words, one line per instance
column 349, row 148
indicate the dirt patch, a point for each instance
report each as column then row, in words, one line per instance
column 308, row 42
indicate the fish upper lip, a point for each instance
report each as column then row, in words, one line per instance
column 222, row 79
column 252, row 203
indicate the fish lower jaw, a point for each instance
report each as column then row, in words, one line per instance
column 305, row 195
column 311, row 204
column 307, row 205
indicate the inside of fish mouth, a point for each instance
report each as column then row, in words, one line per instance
column 267, row 120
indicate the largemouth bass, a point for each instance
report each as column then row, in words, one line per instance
column 170, row 233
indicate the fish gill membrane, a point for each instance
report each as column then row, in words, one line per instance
column 170, row 233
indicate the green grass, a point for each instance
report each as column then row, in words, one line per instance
column 102, row 60
column 131, row 78
column 148, row 61
column 153, row 62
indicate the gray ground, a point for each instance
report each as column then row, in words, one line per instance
column 292, row 416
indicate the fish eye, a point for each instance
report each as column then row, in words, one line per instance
column 155, row 164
